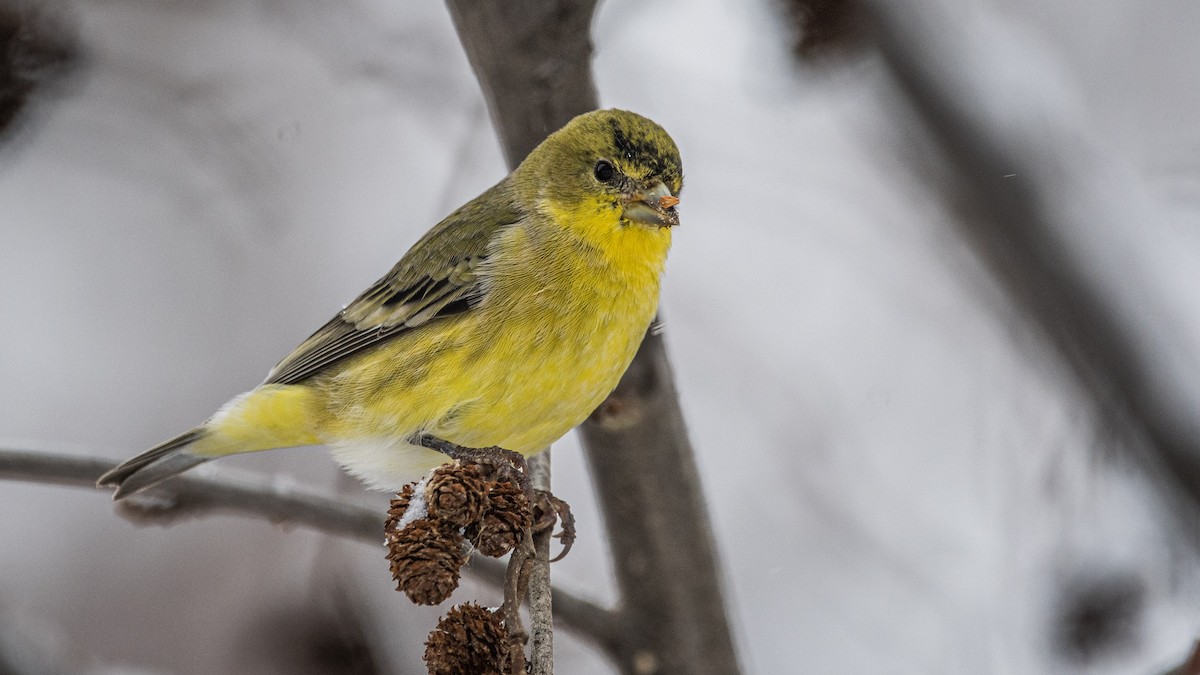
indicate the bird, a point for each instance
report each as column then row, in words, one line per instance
column 504, row 326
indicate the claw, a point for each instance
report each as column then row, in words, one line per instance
column 549, row 510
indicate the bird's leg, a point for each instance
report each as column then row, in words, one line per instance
column 508, row 464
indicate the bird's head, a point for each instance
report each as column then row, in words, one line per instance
column 611, row 164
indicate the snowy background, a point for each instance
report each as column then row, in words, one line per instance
column 902, row 478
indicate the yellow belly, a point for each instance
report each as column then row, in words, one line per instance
column 546, row 346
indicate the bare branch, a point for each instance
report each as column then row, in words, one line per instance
column 541, row 617
column 582, row 616
column 1062, row 223
column 663, row 549
column 533, row 61
column 190, row 496
column 38, row 46
column 516, row 581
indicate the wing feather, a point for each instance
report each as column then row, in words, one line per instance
column 438, row 277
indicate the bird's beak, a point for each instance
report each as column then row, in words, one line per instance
column 655, row 206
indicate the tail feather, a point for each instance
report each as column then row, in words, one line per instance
column 154, row 466
column 270, row 416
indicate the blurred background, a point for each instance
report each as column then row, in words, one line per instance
column 906, row 471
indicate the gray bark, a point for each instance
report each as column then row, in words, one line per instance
column 533, row 61
column 1062, row 225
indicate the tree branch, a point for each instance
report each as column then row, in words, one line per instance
column 663, row 548
column 533, row 62
column 191, row 496
column 541, row 610
column 1062, row 225
column 533, row 59
column 38, row 45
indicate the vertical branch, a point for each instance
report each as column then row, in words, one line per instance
column 663, row 548
column 1062, row 226
column 37, row 47
column 541, row 613
column 535, row 74
column 533, row 61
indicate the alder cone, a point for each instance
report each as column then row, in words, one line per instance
column 469, row 640
column 504, row 520
column 455, row 493
column 426, row 558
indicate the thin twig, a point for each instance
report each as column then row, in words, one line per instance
column 193, row 496
column 541, row 616
column 600, row 625
column 516, row 579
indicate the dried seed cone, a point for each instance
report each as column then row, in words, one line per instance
column 455, row 493
column 469, row 640
column 504, row 521
column 426, row 557
column 396, row 511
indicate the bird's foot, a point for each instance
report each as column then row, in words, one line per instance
column 547, row 510
column 505, row 464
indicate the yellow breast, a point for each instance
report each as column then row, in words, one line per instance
column 568, row 302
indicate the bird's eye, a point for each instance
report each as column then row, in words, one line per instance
column 604, row 171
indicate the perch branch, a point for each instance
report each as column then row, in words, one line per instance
column 533, row 62
column 192, row 496
column 541, row 617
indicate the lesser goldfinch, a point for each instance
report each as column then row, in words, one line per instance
column 505, row 325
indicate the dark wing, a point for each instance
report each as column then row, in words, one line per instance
column 438, row 277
